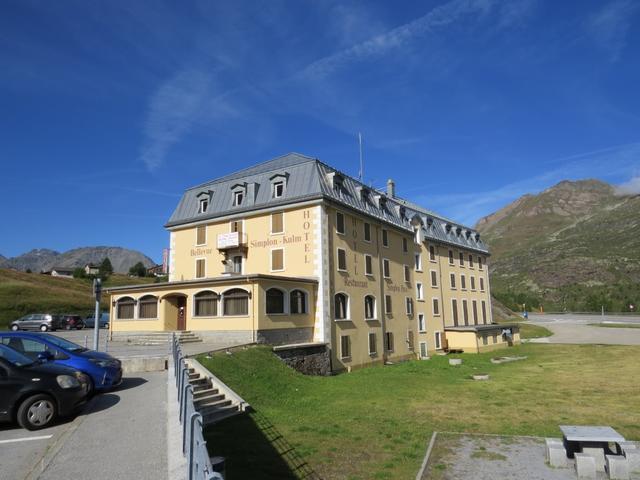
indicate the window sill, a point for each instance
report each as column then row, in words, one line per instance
column 132, row 320
column 341, row 319
column 281, row 270
column 201, row 244
column 370, row 319
column 373, row 354
column 420, row 299
column 346, row 359
column 276, row 233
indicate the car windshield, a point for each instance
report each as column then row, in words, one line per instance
column 64, row 344
column 11, row 356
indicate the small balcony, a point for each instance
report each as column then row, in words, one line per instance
column 227, row 241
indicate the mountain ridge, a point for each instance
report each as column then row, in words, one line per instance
column 574, row 246
column 43, row 259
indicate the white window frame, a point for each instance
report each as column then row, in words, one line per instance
column 385, row 235
column 461, row 259
column 388, row 311
column 422, row 323
column 405, row 245
column 271, row 232
column 386, row 341
column 344, row 224
column 285, row 300
column 452, row 280
column 470, row 260
column 271, row 260
column 483, row 306
column 375, row 343
column 407, row 273
column 481, row 280
column 426, row 349
column 455, row 314
column 203, row 202
column 439, row 307
column 452, row 257
column 435, row 254
column 241, row 263
column 205, row 235
column 375, row 308
column 418, row 262
column 386, row 268
column 274, row 189
column 368, row 273
column 238, row 198
column 463, row 282
column 408, row 305
column 338, row 250
column 474, row 311
column 195, row 273
column 347, row 312
column 419, row 291
column 472, row 283
column 480, row 262
column 437, row 339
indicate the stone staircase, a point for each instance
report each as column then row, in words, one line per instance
column 155, row 338
column 212, row 398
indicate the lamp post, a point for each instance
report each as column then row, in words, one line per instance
column 97, row 292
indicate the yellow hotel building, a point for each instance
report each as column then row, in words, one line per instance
column 293, row 251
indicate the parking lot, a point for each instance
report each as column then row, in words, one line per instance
column 118, row 435
column 573, row 328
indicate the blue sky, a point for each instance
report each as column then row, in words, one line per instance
column 111, row 109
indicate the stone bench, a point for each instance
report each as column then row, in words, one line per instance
column 585, row 465
column 617, row 467
column 598, row 455
column 556, row 455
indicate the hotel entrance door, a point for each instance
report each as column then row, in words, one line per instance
column 182, row 306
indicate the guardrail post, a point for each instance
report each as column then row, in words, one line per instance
column 184, row 412
column 192, row 421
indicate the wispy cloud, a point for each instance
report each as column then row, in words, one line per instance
column 632, row 187
column 172, row 110
column 609, row 26
column 439, row 17
column 469, row 207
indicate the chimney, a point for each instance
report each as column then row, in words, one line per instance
column 391, row 188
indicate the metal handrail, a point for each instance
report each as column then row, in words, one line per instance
column 194, row 446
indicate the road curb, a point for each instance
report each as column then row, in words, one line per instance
column 425, row 462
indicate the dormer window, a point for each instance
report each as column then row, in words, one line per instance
column 277, row 189
column 238, row 198
column 204, row 199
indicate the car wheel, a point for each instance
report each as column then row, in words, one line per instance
column 106, row 325
column 43, row 328
column 15, row 328
column 67, row 327
column 37, row 412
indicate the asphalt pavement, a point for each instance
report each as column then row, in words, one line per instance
column 121, row 434
column 573, row 328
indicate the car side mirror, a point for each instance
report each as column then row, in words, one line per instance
column 45, row 356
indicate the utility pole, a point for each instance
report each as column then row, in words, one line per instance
column 361, row 173
column 97, row 292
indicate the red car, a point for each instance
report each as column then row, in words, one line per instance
column 72, row 321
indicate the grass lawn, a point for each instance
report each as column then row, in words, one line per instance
column 375, row 423
column 616, row 325
column 22, row 293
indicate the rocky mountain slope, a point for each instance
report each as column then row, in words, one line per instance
column 42, row 259
column 574, row 246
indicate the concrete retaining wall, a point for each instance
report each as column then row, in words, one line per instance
column 283, row 336
column 310, row 359
column 143, row 364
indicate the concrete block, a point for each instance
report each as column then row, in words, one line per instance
column 549, row 442
column 628, row 446
column 617, row 467
column 585, row 465
column 455, row 361
column 633, row 458
column 598, row 454
column 557, row 455
column 143, row 364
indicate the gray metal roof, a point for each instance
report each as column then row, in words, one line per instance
column 308, row 178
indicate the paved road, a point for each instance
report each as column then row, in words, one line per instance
column 119, row 435
column 577, row 329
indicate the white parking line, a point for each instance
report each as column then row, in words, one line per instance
column 26, row 439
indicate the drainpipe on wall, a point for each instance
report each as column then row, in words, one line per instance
column 253, row 311
column 383, row 316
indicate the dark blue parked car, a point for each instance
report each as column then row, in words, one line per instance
column 103, row 370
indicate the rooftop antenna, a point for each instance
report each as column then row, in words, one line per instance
column 361, row 172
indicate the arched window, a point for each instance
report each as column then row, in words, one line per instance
column 148, row 307
column 298, row 301
column 235, row 302
column 125, row 308
column 275, row 300
column 205, row 304
column 341, row 306
column 369, row 307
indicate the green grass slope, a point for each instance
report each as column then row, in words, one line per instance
column 375, row 423
column 22, row 293
column 575, row 246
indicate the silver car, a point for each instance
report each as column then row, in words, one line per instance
column 38, row 321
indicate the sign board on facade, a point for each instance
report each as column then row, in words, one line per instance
column 231, row 239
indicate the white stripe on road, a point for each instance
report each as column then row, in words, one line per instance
column 26, row 439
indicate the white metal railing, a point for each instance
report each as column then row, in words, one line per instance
column 194, row 446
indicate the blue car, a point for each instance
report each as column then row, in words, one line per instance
column 103, row 370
